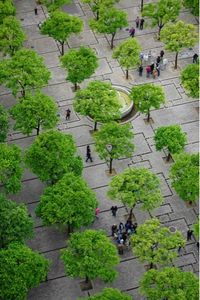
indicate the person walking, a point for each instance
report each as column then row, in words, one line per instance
column 68, row 113
column 140, row 70
column 137, row 22
column 189, row 234
column 88, row 154
column 148, row 71
column 121, row 226
column 132, row 32
column 97, row 211
column 195, row 58
column 114, row 210
column 141, row 24
column 155, row 73
column 162, row 53
column 158, row 69
column 158, row 59
column 114, row 230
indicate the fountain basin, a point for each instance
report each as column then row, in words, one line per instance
column 124, row 100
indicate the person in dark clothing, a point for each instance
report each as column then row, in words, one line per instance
column 152, row 67
column 137, row 22
column 68, row 113
column 114, row 210
column 135, row 227
column 121, row 227
column 158, row 60
column 195, row 58
column 140, row 70
column 35, row 11
column 88, row 154
column 132, row 32
column 114, row 229
column 189, row 234
column 124, row 237
column 141, row 24
column 162, row 53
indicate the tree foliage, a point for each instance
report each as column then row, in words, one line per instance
column 11, row 35
column 33, row 112
column 90, row 255
column 51, row 155
column 54, row 4
column 113, row 141
column 146, row 96
column 128, row 54
column 15, row 225
column 60, row 26
column 3, row 124
column 184, row 174
column 99, row 100
column 162, row 12
column 109, row 294
column 10, row 168
column 169, row 283
column 68, row 202
column 190, row 80
column 155, row 243
column 21, row 269
column 25, row 70
column 80, row 64
column 170, row 137
column 196, row 229
column 193, row 4
column 110, row 20
column 178, row 36
column 136, row 185
column 96, row 5
column 6, row 9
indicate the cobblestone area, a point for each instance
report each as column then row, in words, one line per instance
column 179, row 109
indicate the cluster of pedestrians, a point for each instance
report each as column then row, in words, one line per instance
column 139, row 25
column 122, row 233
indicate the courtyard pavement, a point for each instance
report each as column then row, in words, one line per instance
column 178, row 109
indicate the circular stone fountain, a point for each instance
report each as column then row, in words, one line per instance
column 124, row 100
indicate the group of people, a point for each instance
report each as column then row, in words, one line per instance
column 121, row 234
column 139, row 24
column 153, row 68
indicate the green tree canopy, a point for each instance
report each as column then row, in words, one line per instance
column 97, row 4
column 136, row 185
column 21, row 269
column 146, row 96
column 90, row 255
column 190, row 80
column 184, row 174
column 6, row 9
column 51, row 155
column 99, row 100
column 110, row 20
column 178, row 36
column 10, row 168
column 25, row 70
column 128, row 54
column 33, row 112
column 11, row 35
column 52, row 5
column 155, row 243
column 171, row 138
column 4, row 126
column 162, row 12
column 169, row 283
column 109, row 294
column 193, row 4
column 15, row 225
column 68, row 202
column 60, row 26
column 80, row 64
column 113, row 141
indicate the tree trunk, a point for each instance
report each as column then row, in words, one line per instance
column 62, row 49
column 159, row 30
column 151, row 265
column 176, row 61
column 69, row 228
column 110, row 168
column 95, row 126
column 168, row 157
column 75, row 86
column 142, row 4
column 38, row 128
column 126, row 73
column 23, row 92
column 86, row 279
column 112, row 40
column 131, row 214
column 148, row 115
column 97, row 15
